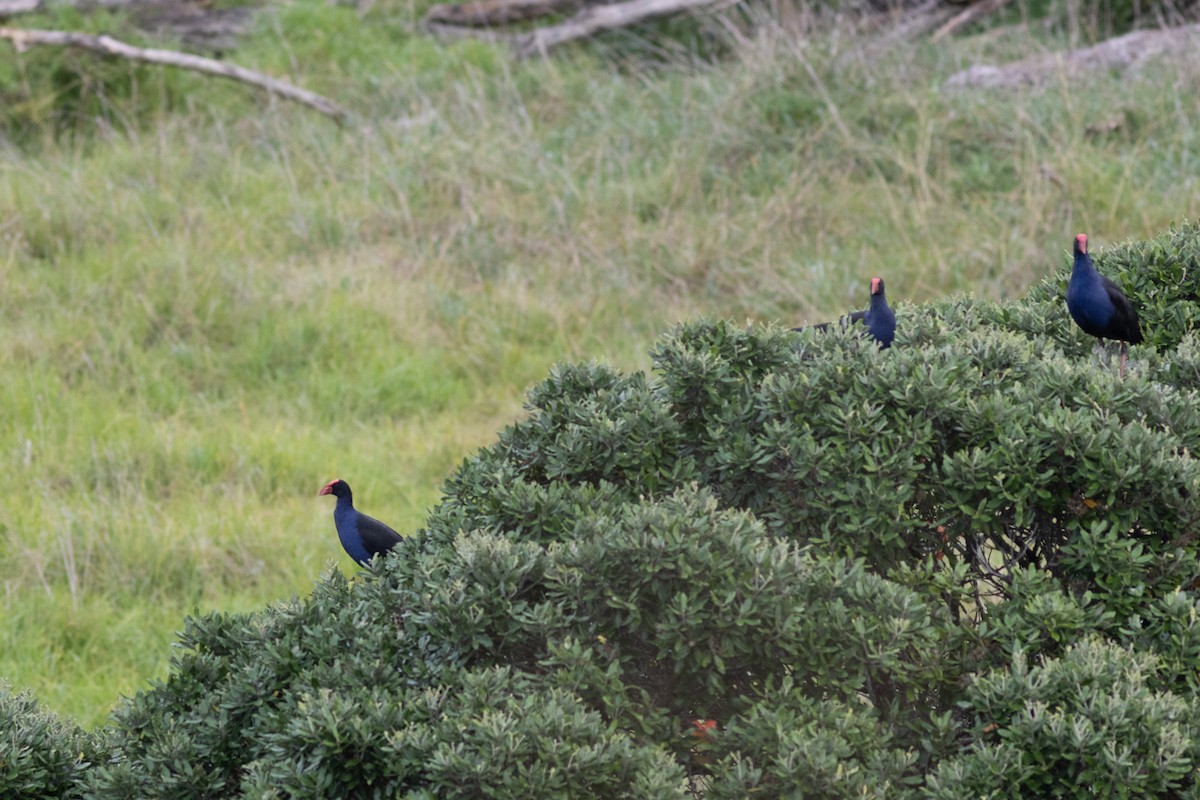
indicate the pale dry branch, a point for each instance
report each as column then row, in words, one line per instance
column 930, row 14
column 483, row 13
column 23, row 39
column 972, row 13
column 11, row 8
column 585, row 23
column 597, row 19
column 445, row 31
column 1123, row 52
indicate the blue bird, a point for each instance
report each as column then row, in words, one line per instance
column 878, row 318
column 1098, row 305
column 361, row 536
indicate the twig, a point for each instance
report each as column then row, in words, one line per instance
column 987, row 571
column 916, row 21
column 596, row 19
column 11, row 8
column 23, row 39
column 482, row 13
column 588, row 22
column 446, row 31
column 971, row 13
column 455, row 22
column 1010, row 560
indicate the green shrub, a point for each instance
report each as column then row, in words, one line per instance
column 496, row 734
column 789, row 745
column 784, row 564
column 1087, row 723
column 41, row 755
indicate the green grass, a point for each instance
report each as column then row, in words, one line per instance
column 211, row 304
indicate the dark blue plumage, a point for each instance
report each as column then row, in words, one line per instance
column 878, row 318
column 361, row 536
column 1098, row 305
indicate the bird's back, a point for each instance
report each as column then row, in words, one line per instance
column 376, row 537
column 1123, row 324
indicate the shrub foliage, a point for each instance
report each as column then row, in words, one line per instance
column 42, row 757
column 783, row 564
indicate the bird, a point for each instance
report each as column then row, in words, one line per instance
column 879, row 318
column 361, row 536
column 1098, row 305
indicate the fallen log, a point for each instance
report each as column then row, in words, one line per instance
column 484, row 13
column 197, row 24
column 22, row 39
column 1123, row 52
column 913, row 23
column 596, row 19
column 587, row 22
column 11, row 8
column 972, row 13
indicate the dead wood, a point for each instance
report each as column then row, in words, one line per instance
column 596, row 19
column 912, row 23
column 23, row 39
column 192, row 24
column 197, row 24
column 1123, row 52
column 972, row 13
column 496, row 12
column 451, row 32
column 587, row 22
column 11, row 8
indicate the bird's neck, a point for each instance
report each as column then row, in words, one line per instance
column 1084, row 269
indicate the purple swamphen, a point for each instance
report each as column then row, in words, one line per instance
column 879, row 318
column 1098, row 305
column 361, row 536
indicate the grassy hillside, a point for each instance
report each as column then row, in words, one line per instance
column 211, row 304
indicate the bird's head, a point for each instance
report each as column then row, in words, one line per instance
column 1081, row 244
column 336, row 487
column 876, row 286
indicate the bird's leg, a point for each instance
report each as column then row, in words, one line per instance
column 1124, row 352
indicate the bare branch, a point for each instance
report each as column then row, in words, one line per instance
column 972, row 13
column 916, row 21
column 451, row 32
column 482, row 13
column 1126, row 51
column 596, row 19
column 588, row 22
column 24, row 39
column 10, row 8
